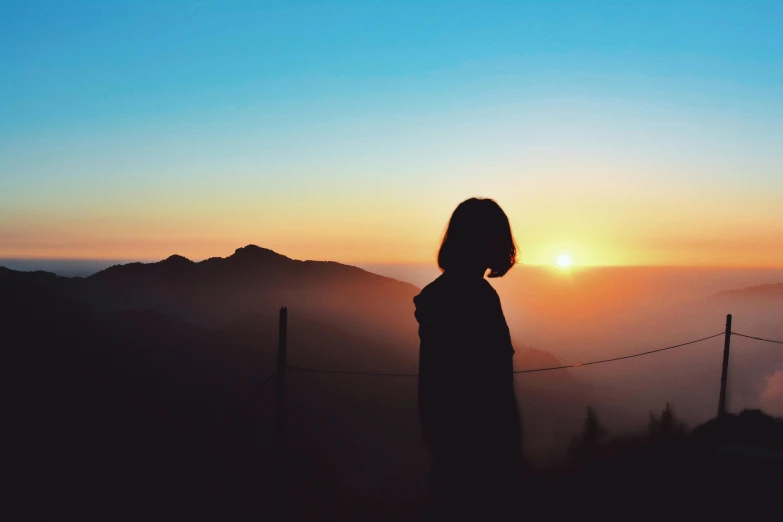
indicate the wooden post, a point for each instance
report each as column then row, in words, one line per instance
column 281, row 435
column 725, row 373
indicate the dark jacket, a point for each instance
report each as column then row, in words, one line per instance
column 466, row 390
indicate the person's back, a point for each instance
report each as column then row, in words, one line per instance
column 467, row 406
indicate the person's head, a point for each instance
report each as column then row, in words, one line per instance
column 478, row 237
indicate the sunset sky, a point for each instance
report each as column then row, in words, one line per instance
column 614, row 132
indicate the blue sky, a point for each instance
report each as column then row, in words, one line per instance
column 141, row 124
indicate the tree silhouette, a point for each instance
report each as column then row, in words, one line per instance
column 666, row 427
column 585, row 446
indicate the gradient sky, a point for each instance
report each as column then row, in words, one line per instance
column 619, row 132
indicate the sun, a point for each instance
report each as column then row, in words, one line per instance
column 564, row 261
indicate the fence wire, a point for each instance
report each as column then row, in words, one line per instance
column 757, row 338
column 619, row 358
column 563, row 367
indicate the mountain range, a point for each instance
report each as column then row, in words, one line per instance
column 142, row 383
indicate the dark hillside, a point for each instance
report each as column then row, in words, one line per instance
column 253, row 279
column 126, row 409
column 130, row 409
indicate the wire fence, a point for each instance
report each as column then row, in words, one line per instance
column 756, row 338
column 620, row 358
column 531, row 370
column 281, row 453
column 282, row 366
column 563, row 367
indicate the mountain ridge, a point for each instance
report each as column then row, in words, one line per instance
column 249, row 257
column 772, row 290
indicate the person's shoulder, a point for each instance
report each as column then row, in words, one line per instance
column 488, row 291
column 436, row 284
column 432, row 290
column 433, row 297
column 455, row 287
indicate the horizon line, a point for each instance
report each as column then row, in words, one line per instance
column 573, row 267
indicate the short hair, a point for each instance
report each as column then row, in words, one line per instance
column 478, row 233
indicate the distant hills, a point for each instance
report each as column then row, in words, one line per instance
column 139, row 384
column 372, row 311
column 771, row 291
column 340, row 316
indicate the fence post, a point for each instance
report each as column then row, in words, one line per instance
column 281, row 435
column 725, row 372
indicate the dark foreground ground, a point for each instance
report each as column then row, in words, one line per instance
column 728, row 469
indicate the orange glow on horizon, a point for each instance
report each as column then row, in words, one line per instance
column 399, row 231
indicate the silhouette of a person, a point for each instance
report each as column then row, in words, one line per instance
column 467, row 408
